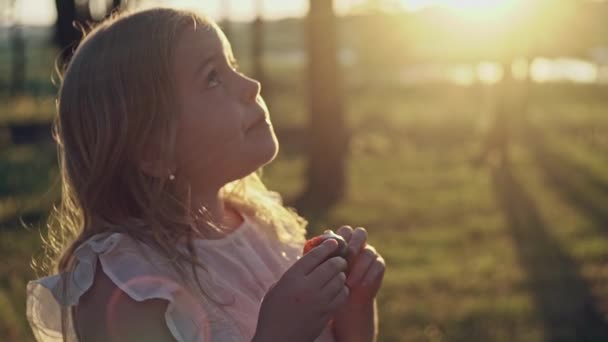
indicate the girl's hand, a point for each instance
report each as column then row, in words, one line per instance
column 365, row 267
column 301, row 303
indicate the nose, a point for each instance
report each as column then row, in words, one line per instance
column 251, row 89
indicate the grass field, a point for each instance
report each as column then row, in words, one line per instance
column 509, row 247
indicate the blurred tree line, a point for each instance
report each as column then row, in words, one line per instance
column 74, row 17
column 383, row 39
column 531, row 28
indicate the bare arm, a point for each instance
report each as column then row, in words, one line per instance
column 357, row 324
column 106, row 313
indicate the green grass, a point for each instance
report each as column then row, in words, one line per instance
column 476, row 251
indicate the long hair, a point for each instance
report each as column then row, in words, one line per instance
column 115, row 103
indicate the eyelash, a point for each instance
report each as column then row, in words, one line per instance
column 214, row 75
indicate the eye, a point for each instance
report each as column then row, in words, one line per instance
column 213, row 79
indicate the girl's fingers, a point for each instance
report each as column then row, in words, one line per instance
column 346, row 232
column 375, row 273
column 327, row 270
column 357, row 241
column 309, row 262
column 335, row 285
column 339, row 300
column 362, row 264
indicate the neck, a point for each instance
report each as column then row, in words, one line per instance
column 211, row 202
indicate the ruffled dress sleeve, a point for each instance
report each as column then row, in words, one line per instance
column 140, row 275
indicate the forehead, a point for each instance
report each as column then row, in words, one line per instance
column 196, row 44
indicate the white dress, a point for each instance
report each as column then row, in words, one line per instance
column 243, row 265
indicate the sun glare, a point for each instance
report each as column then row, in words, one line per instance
column 471, row 9
column 480, row 9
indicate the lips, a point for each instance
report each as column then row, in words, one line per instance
column 257, row 123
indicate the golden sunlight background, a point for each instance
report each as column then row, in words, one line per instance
column 469, row 137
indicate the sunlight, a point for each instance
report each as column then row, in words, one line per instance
column 471, row 9
column 480, row 9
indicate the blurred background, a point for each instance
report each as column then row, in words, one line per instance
column 469, row 137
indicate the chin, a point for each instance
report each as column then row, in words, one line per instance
column 261, row 149
column 264, row 153
column 271, row 151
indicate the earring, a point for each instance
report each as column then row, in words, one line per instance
column 171, row 177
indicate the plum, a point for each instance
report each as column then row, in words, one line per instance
column 341, row 251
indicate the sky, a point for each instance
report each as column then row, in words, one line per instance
column 42, row 12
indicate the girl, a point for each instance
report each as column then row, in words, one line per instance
column 165, row 231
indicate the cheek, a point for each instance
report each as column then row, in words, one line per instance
column 210, row 119
column 204, row 136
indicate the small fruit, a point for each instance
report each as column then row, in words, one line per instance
column 342, row 249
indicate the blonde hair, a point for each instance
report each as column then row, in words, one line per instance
column 115, row 102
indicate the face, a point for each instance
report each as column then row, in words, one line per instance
column 224, row 131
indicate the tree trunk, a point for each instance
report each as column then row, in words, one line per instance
column 17, row 82
column 258, row 44
column 225, row 20
column 69, row 16
column 328, row 132
column 18, row 65
column 66, row 35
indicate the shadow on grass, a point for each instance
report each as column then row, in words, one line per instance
column 563, row 299
column 572, row 182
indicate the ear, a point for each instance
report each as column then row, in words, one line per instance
column 151, row 168
column 154, row 161
column 156, row 168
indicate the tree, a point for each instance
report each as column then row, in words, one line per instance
column 72, row 17
column 577, row 23
column 66, row 35
column 225, row 20
column 17, row 85
column 258, row 43
column 326, row 179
